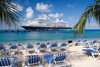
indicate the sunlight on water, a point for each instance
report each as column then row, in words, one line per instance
column 45, row 36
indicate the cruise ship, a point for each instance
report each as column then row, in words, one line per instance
column 46, row 25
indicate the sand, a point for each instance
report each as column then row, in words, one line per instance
column 76, row 57
column 79, row 59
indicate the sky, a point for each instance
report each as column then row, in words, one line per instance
column 68, row 10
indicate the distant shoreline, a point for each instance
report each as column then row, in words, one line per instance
column 55, row 30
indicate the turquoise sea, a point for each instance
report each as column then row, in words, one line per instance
column 34, row 36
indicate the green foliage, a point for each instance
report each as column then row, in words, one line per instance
column 8, row 12
column 97, row 1
column 91, row 12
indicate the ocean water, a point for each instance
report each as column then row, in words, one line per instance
column 35, row 36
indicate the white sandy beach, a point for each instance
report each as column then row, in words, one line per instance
column 78, row 59
column 76, row 56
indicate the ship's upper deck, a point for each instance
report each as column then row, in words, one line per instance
column 48, row 23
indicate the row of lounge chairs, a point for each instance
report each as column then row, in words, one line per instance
column 11, row 60
column 29, row 47
column 93, row 49
column 35, row 60
column 54, row 47
column 86, row 41
column 8, row 61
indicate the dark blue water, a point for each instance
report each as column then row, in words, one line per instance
column 35, row 36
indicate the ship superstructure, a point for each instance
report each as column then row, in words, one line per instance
column 46, row 24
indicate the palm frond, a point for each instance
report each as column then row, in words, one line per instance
column 97, row 1
column 92, row 11
column 9, row 14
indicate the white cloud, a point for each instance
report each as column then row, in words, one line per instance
column 43, row 7
column 92, row 25
column 27, row 22
column 18, row 7
column 29, row 12
column 57, row 15
column 70, row 6
column 43, row 16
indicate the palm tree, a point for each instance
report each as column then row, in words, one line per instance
column 91, row 12
column 8, row 12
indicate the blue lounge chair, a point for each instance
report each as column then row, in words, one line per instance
column 54, row 47
column 79, row 42
column 2, row 49
column 89, row 51
column 43, row 45
column 33, row 60
column 59, row 60
column 38, row 43
column 94, row 52
column 14, row 48
column 86, row 45
column 49, row 58
column 48, row 43
column 84, row 40
column 97, row 49
column 63, row 46
column 10, row 44
column 60, row 57
column 20, row 46
column 43, row 48
column 56, row 42
column 29, row 48
column 97, row 54
column 94, row 41
column 8, row 62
